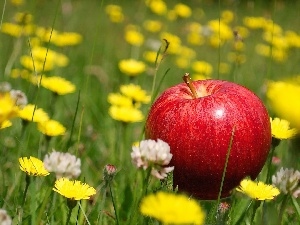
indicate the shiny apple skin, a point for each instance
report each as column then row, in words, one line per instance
column 199, row 131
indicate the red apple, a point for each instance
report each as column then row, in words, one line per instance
column 198, row 121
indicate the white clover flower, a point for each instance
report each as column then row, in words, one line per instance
column 63, row 164
column 287, row 180
column 4, row 218
column 19, row 97
column 154, row 154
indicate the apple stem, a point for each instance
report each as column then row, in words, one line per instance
column 187, row 80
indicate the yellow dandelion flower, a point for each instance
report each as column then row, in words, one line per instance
column 202, row 67
column 126, row 114
column 8, row 108
column 254, row 22
column 182, row 10
column 51, row 128
column 175, row 47
column 243, row 32
column 152, row 25
column 11, row 29
column 30, row 113
column 283, row 98
column 114, row 13
column 135, row 92
column 67, row 39
column 150, row 56
column 132, row 67
column 281, row 129
column 40, row 55
column 58, row 85
column 44, row 34
column 170, row 208
column 5, row 124
column 238, row 46
column 221, row 29
column 36, row 65
column 292, row 38
column 134, row 37
column 33, row 166
column 270, row 26
column 158, row 7
column 195, row 38
column 227, row 16
column 22, row 73
column 74, row 190
column 119, row 100
column 258, row 190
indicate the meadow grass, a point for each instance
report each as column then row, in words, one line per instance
column 97, row 139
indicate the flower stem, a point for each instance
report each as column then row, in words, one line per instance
column 268, row 178
column 71, row 204
column 114, row 203
column 26, row 189
column 186, row 78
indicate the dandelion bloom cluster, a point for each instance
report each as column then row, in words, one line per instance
column 58, row 38
column 281, row 129
column 258, row 190
column 73, row 189
column 125, row 105
column 44, row 59
column 135, row 92
column 153, row 154
column 33, row 166
column 63, row 164
column 287, row 180
column 170, row 208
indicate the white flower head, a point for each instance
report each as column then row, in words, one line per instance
column 63, row 164
column 288, row 181
column 155, row 154
column 19, row 97
column 4, row 218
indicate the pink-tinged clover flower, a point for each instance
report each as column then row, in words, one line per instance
column 153, row 154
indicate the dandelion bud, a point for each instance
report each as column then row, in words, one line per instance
column 109, row 172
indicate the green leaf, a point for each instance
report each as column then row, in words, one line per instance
column 126, row 204
column 239, row 210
